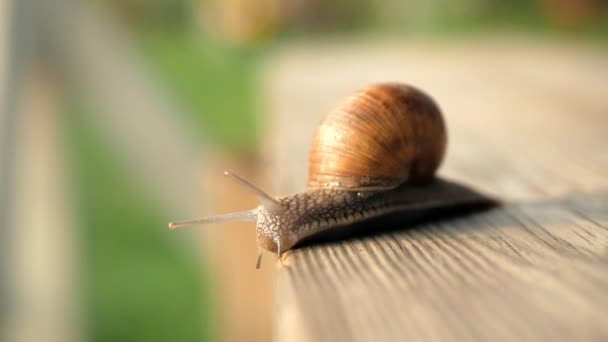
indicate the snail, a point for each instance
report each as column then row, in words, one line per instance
column 363, row 159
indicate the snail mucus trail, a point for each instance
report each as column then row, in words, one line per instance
column 362, row 158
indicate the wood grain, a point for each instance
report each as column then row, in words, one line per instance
column 527, row 123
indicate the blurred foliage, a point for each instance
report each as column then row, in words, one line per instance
column 151, row 14
column 215, row 83
column 140, row 282
column 318, row 16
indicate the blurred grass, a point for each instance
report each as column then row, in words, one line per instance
column 140, row 282
column 216, row 84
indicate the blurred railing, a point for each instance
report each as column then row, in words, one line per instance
column 50, row 48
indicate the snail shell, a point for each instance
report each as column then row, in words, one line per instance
column 382, row 137
column 379, row 138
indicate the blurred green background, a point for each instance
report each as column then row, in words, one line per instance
column 208, row 54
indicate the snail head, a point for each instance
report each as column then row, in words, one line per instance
column 270, row 216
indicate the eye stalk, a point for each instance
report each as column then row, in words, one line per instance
column 247, row 215
column 270, row 204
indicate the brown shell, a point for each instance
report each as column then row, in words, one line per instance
column 382, row 136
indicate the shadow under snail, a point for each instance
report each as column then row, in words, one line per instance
column 363, row 157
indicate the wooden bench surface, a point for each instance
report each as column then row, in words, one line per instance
column 527, row 124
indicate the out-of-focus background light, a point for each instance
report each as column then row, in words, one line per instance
column 117, row 114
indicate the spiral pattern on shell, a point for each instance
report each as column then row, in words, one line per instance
column 379, row 138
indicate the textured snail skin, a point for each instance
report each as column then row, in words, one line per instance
column 381, row 137
column 361, row 158
column 311, row 212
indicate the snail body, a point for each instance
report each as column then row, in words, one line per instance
column 362, row 158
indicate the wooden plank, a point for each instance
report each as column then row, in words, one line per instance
column 527, row 123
